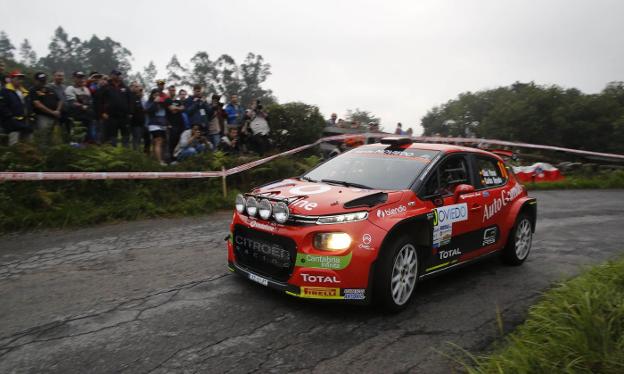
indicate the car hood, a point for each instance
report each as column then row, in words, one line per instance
column 316, row 198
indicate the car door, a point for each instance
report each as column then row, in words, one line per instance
column 451, row 217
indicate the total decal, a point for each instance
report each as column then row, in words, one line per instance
column 323, row 262
column 319, row 278
column 445, row 254
column 366, row 242
column 498, row 203
column 382, row 213
column 443, row 219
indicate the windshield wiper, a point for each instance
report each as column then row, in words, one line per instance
column 307, row 179
column 346, row 184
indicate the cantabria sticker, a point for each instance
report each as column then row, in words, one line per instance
column 323, row 262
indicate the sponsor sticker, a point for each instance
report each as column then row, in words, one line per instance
column 489, row 236
column 323, row 262
column 382, row 213
column 263, row 226
column 310, row 189
column 444, row 254
column 319, row 278
column 498, row 203
column 366, row 241
column 257, row 279
column 443, row 219
column 304, row 204
column 320, row 292
column 354, row 293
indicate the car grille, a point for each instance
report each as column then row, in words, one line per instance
column 270, row 255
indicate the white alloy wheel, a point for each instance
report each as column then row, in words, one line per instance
column 404, row 274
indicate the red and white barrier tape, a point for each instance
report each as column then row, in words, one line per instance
column 51, row 175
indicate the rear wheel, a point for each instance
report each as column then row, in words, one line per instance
column 519, row 242
column 397, row 274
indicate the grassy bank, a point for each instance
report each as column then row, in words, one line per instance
column 577, row 327
column 28, row 205
column 603, row 180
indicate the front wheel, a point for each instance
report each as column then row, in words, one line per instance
column 397, row 275
column 520, row 240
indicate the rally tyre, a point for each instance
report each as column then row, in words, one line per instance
column 396, row 274
column 519, row 242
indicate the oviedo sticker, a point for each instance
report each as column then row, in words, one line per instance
column 443, row 219
column 323, row 262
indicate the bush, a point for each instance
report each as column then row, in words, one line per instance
column 294, row 124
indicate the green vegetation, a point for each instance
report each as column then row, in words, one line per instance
column 536, row 114
column 603, row 180
column 27, row 205
column 578, row 327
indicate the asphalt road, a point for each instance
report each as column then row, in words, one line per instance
column 155, row 296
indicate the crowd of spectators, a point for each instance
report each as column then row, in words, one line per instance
column 167, row 123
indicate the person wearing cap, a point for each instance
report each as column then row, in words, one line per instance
column 47, row 106
column 13, row 98
column 115, row 109
column 80, row 105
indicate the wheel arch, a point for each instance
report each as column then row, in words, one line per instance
column 527, row 206
column 419, row 227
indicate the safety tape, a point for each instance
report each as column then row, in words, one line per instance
column 51, row 175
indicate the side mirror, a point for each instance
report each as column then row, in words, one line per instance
column 463, row 189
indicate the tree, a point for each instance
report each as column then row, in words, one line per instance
column 294, row 124
column 28, row 56
column 203, row 70
column 149, row 76
column 225, row 76
column 65, row 53
column 363, row 117
column 104, row 55
column 6, row 48
column 254, row 72
column 177, row 74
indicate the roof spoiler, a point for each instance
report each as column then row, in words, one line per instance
column 396, row 140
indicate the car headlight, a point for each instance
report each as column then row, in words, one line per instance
column 252, row 206
column 281, row 212
column 240, row 203
column 332, row 241
column 343, row 218
column 264, row 209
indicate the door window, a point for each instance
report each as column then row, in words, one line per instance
column 452, row 172
column 492, row 173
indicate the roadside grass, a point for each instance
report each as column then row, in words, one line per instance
column 602, row 180
column 577, row 327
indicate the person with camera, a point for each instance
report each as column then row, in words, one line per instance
column 192, row 142
column 156, row 110
column 216, row 123
column 256, row 128
column 197, row 108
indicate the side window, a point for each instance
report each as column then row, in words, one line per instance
column 492, row 173
column 452, row 172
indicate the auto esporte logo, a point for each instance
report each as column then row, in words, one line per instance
column 382, row 213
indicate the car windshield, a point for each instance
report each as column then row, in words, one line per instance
column 376, row 167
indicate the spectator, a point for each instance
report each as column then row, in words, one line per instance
column 3, row 78
column 197, row 108
column 160, row 86
column 80, row 105
column 13, row 111
column 257, row 128
column 235, row 113
column 332, row 120
column 115, row 107
column 341, row 123
column 216, row 122
column 399, row 129
column 137, row 123
column 156, row 110
column 58, row 80
column 175, row 119
column 93, row 84
column 192, row 142
column 410, row 132
column 182, row 95
column 47, row 105
column 230, row 144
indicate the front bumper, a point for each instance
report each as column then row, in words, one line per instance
column 314, row 274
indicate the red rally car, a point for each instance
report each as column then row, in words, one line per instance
column 372, row 222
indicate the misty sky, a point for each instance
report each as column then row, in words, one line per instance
column 395, row 58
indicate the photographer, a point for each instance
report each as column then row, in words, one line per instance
column 197, row 108
column 192, row 142
column 257, row 129
column 157, row 122
column 216, row 124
